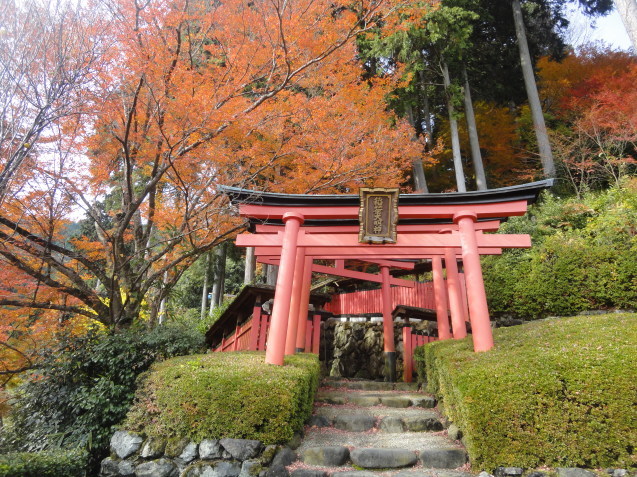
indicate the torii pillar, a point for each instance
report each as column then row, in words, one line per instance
column 440, row 294
column 477, row 297
column 388, row 325
column 275, row 351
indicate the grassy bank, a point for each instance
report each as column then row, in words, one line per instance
column 233, row 395
column 559, row 392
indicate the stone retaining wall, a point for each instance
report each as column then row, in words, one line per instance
column 355, row 350
column 134, row 456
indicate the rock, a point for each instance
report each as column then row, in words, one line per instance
column 174, row 447
column 153, row 448
column 535, row 474
column 157, row 468
column 383, row 458
column 268, row 454
column 250, row 468
column 422, row 424
column 573, row 472
column 508, row 471
column 620, row 473
column 354, row 422
column 210, row 449
column 354, row 473
column 218, row 469
column 330, row 456
column 189, row 453
column 395, row 401
column 485, row 474
column 432, row 473
column 284, row 457
column 126, row 468
column 308, row 473
column 319, row 421
column 242, row 449
column 392, row 424
column 365, row 401
column 427, row 402
column 109, row 468
column 445, row 458
column 277, row 471
column 454, row 432
column 124, row 444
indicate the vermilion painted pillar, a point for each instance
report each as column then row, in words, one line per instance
column 455, row 295
column 316, row 333
column 465, row 298
column 388, row 325
column 442, row 314
column 304, row 304
column 275, row 351
column 477, row 297
column 297, row 286
column 407, row 354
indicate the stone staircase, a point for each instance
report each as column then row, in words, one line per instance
column 370, row 429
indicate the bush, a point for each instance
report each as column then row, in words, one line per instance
column 84, row 387
column 559, row 393
column 584, row 257
column 234, row 395
column 60, row 463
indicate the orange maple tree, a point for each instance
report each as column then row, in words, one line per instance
column 187, row 96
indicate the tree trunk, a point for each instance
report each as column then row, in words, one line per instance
column 476, row 156
column 543, row 143
column 204, row 292
column 250, row 267
column 627, row 10
column 220, row 276
column 455, row 139
column 420, row 182
column 271, row 274
column 161, row 318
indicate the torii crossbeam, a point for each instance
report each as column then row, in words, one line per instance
column 296, row 229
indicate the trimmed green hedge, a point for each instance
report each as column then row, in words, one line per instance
column 233, row 395
column 62, row 463
column 559, row 392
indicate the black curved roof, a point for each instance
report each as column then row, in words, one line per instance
column 528, row 192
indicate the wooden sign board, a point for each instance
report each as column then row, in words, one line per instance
column 378, row 215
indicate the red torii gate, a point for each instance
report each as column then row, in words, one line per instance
column 295, row 229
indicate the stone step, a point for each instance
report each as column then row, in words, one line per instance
column 364, row 385
column 375, row 458
column 331, row 412
column 369, row 399
column 321, row 472
column 358, row 422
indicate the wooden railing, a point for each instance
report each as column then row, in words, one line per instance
column 370, row 301
column 252, row 335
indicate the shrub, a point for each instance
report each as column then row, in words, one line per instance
column 233, row 395
column 59, row 463
column 85, row 386
column 559, row 393
column 584, row 257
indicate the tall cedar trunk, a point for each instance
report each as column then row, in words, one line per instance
column 162, row 304
column 271, row 274
column 250, row 267
column 627, row 10
column 420, row 182
column 455, row 139
column 476, row 156
column 204, row 291
column 220, row 276
column 543, row 143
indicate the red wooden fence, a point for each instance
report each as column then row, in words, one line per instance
column 410, row 341
column 370, row 301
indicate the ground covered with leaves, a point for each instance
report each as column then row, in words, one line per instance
column 558, row 392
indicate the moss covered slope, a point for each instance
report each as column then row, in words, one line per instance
column 559, row 392
column 233, row 395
